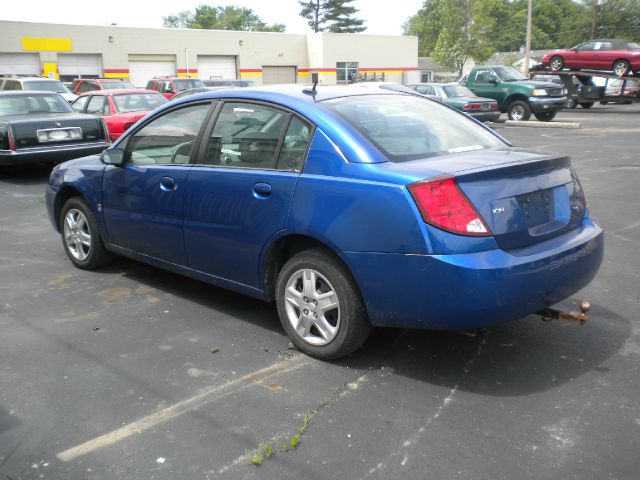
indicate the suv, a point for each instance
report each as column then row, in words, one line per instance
column 83, row 85
column 170, row 86
column 37, row 84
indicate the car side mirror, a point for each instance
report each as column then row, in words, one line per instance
column 113, row 156
column 493, row 80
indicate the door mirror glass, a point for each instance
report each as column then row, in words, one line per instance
column 493, row 80
column 113, row 156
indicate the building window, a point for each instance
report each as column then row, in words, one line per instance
column 347, row 72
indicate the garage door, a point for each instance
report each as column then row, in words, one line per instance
column 72, row 66
column 216, row 67
column 19, row 64
column 140, row 72
column 272, row 75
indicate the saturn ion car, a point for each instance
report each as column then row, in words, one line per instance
column 350, row 208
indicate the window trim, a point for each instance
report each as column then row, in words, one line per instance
column 290, row 114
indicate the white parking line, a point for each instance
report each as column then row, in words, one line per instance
column 193, row 403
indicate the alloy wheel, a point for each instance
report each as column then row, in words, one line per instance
column 77, row 235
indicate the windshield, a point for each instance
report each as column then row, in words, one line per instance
column 33, row 104
column 509, row 74
column 133, row 102
column 407, row 128
column 457, row 91
column 180, row 85
column 115, row 85
column 46, row 86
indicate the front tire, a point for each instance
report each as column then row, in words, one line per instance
column 545, row 116
column 519, row 111
column 556, row 63
column 586, row 104
column 319, row 305
column 80, row 236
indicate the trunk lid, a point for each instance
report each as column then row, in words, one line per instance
column 523, row 197
column 25, row 129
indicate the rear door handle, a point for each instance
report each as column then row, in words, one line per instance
column 261, row 190
column 168, row 184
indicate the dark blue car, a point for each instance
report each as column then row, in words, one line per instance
column 349, row 209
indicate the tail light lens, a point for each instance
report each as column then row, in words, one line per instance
column 444, row 205
column 493, row 105
column 12, row 141
column 472, row 106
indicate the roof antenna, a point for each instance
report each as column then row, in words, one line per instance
column 312, row 91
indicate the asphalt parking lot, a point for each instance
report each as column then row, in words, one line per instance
column 131, row 372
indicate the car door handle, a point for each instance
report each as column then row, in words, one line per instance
column 168, row 184
column 261, row 190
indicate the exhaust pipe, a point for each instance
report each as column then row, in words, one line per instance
column 581, row 317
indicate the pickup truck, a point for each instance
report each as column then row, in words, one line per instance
column 517, row 96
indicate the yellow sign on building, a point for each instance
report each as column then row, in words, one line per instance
column 34, row 44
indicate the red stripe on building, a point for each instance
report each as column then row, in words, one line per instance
column 303, row 70
column 116, row 70
column 191, row 70
column 364, row 69
column 249, row 70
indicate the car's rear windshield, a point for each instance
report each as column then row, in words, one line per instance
column 33, row 104
column 184, row 84
column 406, row 127
column 116, row 85
column 45, row 86
column 457, row 91
column 133, row 102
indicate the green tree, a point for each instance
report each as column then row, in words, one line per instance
column 618, row 19
column 221, row 18
column 452, row 31
column 331, row 15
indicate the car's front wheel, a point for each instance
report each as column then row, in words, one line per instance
column 320, row 306
column 556, row 63
column 80, row 236
column 519, row 110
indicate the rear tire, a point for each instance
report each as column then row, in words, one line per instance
column 545, row 116
column 586, row 104
column 519, row 110
column 81, row 237
column 319, row 305
column 621, row 68
column 556, row 63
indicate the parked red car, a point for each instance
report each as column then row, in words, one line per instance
column 620, row 56
column 119, row 108
column 83, row 85
column 170, row 86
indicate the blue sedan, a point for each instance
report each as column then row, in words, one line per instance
column 349, row 209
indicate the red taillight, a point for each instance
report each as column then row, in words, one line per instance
column 443, row 205
column 472, row 106
column 12, row 142
column 493, row 106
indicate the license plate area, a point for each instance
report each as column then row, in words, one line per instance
column 537, row 207
column 49, row 135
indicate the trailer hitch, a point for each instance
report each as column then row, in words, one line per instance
column 581, row 317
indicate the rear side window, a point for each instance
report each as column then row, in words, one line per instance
column 294, row 147
column 407, row 128
column 79, row 104
column 246, row 135
column 97, row 105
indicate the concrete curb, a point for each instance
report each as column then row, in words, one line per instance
column 535, row 124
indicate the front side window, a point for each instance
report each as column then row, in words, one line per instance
column 246, row 136
column 586, row 47
column 96, row 105
column 46, row 86
column 406, row 128
column 79, row 104
column 186, row 84
column 509, row 74
column 457, row 91
column 168, row 139
column 116, row 85
column 484, row 76
column 425, row 90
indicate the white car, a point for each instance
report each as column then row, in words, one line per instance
column 37, row 84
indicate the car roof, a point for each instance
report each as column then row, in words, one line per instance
column 31, row 79
column 26, row 93
column 119, row 91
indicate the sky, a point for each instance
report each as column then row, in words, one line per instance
column 381, row 18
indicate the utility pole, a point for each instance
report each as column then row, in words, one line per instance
column 527, row 50
column 594, row 20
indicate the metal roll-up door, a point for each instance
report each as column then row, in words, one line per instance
column 217, row 67
column 142, row 70
column 19, row 64
column 72, row 66
column 271, row 75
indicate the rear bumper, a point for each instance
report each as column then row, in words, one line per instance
column 539, row 105
column 485, row 116
column 58, row 153
column 477, row 289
